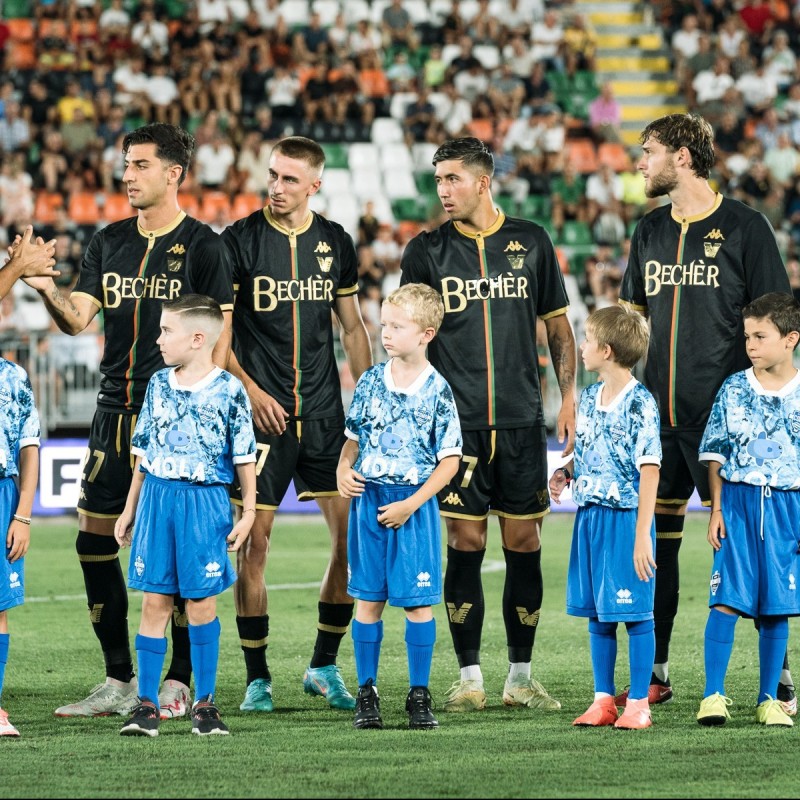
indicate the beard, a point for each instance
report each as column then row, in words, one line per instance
column 663, row 183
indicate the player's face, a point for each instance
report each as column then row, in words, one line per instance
column 175, row 341
column 290, row 183
column 459, row 190
column 400, row 336
column 147, row 178
column 657, row 165
column 592, row 354
column 765, row 346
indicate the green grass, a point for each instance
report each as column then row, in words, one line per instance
column 305, row 749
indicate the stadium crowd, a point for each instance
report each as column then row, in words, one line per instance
column 389, row 80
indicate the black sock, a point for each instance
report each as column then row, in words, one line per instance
column 254, row 636
column 463, row 596
column 107, row 597
column 333, row 621
column 667, row 589
column 180, row 667
column 522, row 602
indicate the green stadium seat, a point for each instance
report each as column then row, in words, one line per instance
column 507, row 203
column 575, row 233
column 412, row 209
column 535, row 206
column 426, row 182
column 335, row 155
column 17, row 9
column 584, row 81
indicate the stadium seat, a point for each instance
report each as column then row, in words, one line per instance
column 45, row 207
column 21, row 30
column 336, row 181
column 581, row 154
column 487, row 54
column 410, row 209
column 327, row 10
column 367, row 183
column 613, row 154
column 482, row 128
column 399, row 104
column 507, row 203
column 245, row 203
column 295, row 13
column 335, row 155
column 83, row 209
column 354, row 10
column 52, row 27
column 449, row 52
column 189, row 204
column 212, row 203
column 398, row 181
column 426, row 182
column 21, row 55
column 574, row 233
column 535, row 206
column 386, row 130
column 396, row 155
column 363, row 155
column 422, row 154
column 117, row 207
column 418, row 11
column 17, row 9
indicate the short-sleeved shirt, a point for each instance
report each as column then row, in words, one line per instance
column 129, row 273
column 692, row 277
column 755, row 433
column 612, row 443
column 194, row 433
column 494, row 284
column 19, row 419
column 287, row 283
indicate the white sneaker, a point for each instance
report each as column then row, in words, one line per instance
column 528, row 692
column 465, row 696
column 173, row 699
column 111, row 697
column 6, row 728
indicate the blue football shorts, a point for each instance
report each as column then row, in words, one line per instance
column 12, row 575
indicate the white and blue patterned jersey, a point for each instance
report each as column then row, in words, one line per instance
column 612, row 443
column 402, row 433
column 19, row 419
column 755, row 433
column 194, row 433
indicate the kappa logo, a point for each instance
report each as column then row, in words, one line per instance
column 531, row 619
column 95, row 612
column 456, row 614
column 715, row 233
column 423, row 580
column 453, row 500
column 213, row 570
column 323, row 247
column 625, row 597
column 325, row 263
column 13, row 580
column 515, row 247
column 178, row 249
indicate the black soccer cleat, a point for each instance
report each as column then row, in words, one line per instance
column 143, row 721
column 418, row 706
column 205, row 718
column 368, row 707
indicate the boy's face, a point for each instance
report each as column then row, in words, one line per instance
column 593, row 355
column 175, row 341
column 765, row 346
column 401, row 336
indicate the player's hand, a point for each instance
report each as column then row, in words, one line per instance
column 241, row 530
column 716, row 530
column 268, row 414
column 349, row 482
column 643, row 561
column 565, row 425
column 36, row 256
column 395, row 514
column 123, row 529
column 558, row 482
column 18, row 540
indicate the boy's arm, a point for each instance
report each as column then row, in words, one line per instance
column 716, row 524
column 349, row 482
column 123, row 527
column 396, row 514
column 643, row 559
column 246, row 473
column 18, row 537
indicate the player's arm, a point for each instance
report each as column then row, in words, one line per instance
column 123, row 527
column 716, row 524
column 349, row 482
column 643, row 558
column 71, row 314
column 353, row 334
column 18, row 537
column 268, row 414
column 222, row 349
column 396, row 514
column 246, row 473
column 561, row 342
column 27, row 259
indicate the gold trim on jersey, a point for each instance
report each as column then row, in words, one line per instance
column 88, row 297
column 314, row 495
column 504, row 515
column 94, row 515
column 557, row 313
column 493, row 228
column 346, row 292
column 288, row 231
column 704, row 215
column 633, row 307
column 150, row 235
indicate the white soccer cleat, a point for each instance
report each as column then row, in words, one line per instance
column 173, row 699
column 111, row 697
column 465, row 696
column 528, row 692
column 6, row 728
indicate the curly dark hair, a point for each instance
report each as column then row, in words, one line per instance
column 173, row 144
column 685, row 130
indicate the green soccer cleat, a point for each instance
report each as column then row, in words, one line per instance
column 714, row 710
column 327, row 682
column 258, row 696
column 770, row 712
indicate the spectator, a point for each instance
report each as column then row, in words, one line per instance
column 150, row 35
column 310, row 43
column 315, row 98
column 15, row 133
column 130, row 82
column 685, row 43
column 264, row 122
column 580, row 42
column 730, row 35
column 605, row 115
column 758, row 90
column 193, row 92
column 114, row 21
column 782, row 161
column 398, row 28
column 434, row 69
column 252, row 164
column 78, row 134
column 214, row 161
column 603, row 191
column 420, row 123
column 569, row 197
column 368, row 225
column 283, row 90
column 547, row 39
column 163, row 94
column 453, row 111
column 72, row 100
column 53, row 166
column 710, row 85
column 538, row 91
column 506, row 91
column 780, row 60
column 401, row 74
column 365, row 38
column 373, row 81
column 16, row 193
column 518, row 54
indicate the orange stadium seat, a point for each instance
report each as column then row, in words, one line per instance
column 47, row 203
column 245, row 203
column 212, row 203
column 189, row 204
column 482, row 128
column 83, row 209
column 51, row 27
column 613, row 154
column 21, row 55
column 581, row 153
column 117, row 207
column 21, row 30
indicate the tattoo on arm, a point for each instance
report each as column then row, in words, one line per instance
column 562, row 352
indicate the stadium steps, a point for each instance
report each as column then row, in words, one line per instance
column 633, row 56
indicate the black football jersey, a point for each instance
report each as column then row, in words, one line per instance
column 692, row 277
column 129, row 272
column 494, row 284
column 286, row 284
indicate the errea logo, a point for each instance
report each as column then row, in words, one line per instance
column 423, row 580
column 13, row 580
column 213, row 570
column 625, row 597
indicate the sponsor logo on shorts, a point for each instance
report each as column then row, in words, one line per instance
column 138, row 565
column 453, row 500
column 423, row 580
column 624, row 597
column 716, row 579
column 13, row 581
column 213, row 570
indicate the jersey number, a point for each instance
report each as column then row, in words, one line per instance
column 263, row 452
column 471, row 462
column 99, row 457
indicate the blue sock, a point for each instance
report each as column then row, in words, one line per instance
column 420, row 638
column 204, row 644
column 773, row 633
column 150, row 654
column 4, row 639
column 641, row 654
column 718, row 647
column 603, row 646
column 367, row 637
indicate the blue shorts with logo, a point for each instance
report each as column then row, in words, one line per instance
column 757, row 568
column 12, row 574
column 179, row 539
column 601, row 579
column 403, row 566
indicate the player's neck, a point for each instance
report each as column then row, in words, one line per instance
column 774, row 378
column 406, row 369
column 194, row 371
column 293, row 220
column 614, row 378
column 484, row 217
column 157, row 217
column 692, row 198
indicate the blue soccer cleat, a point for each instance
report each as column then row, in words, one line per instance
column 258, row 696
column 327, row 682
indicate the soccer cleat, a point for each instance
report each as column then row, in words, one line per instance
column 143, row 721
column 368, row 707
column 111, row 697
column 770, row 712
column 6, row 728
column 206, row 720
column 787, row 698
column 258, row 696
column 601, row 712
column 418, row 706
column 465, row 696
column 327, row 682
column 528, row 692
column 173, row 699
column 714, row 709
column 635, row 717
column 657, row 693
